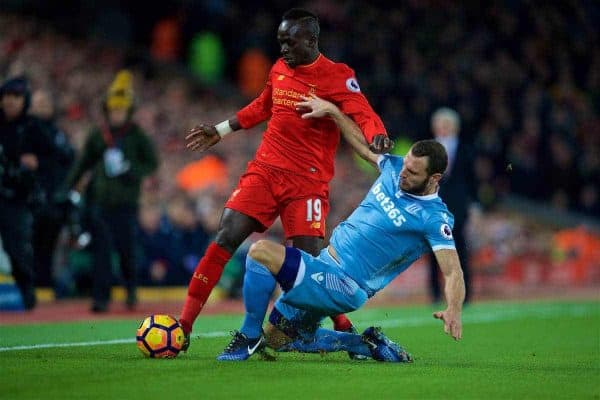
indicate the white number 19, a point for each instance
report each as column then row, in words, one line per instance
column 313, row 209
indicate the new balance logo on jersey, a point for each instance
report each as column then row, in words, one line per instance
column 317, row 277
column 388, row 205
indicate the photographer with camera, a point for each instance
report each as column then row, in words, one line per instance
column 22, row 142
column 120, row 155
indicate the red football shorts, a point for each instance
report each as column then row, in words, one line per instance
column 264, row 193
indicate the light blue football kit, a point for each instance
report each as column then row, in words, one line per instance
column 388, row 231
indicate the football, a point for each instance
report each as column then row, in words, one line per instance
column 160, row 336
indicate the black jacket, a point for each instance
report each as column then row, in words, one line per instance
column 458, row 188
column 17, row 137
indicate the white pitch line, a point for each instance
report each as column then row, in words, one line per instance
column 480, row 316
column 97, row 342
column 76, row 344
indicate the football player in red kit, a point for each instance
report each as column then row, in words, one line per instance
column 289, row 176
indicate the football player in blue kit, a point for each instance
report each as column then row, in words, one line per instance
column 400, row 219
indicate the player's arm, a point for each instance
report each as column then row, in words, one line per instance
column 204, row 136
column 318, row 108
column 352, row 102
column 371, row 127
column 454, row 290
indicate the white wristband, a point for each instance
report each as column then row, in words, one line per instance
column 223, row 128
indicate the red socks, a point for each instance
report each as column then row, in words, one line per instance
column 341, row 323
column 205, row 278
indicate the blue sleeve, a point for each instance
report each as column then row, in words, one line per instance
column 438, row 232
column 387, row 161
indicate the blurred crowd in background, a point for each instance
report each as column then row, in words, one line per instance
column 524, row 78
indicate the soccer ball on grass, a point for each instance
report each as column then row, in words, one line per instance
column 160, row 336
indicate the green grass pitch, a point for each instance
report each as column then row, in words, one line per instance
column 536, row 350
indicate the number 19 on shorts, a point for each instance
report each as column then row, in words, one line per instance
column 313, row 210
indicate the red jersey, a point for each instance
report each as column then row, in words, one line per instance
column 307, row 146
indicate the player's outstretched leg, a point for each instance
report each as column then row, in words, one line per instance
column 329, row 341
column 341, row 323
column 382, row 348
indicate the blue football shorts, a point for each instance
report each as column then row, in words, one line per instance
column 321, row 289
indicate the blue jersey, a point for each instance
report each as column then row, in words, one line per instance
column 390, row 230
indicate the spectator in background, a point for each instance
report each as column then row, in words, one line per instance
column 166, row 39
column 22, row 144
column 253, row 71
column 155, row 263
column 457, row 188
column 207, row 57
column 188, row 239
column 54, row 165
column 589, row 199
column 562, row 178
column 523, row 152
column 120, row 155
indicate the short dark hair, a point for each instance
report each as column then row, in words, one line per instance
column 308, row 20
column 435, row 151
column 19, row 86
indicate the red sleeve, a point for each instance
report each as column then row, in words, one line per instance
column 352, row 102
column 258, row 110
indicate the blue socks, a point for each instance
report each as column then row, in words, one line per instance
column 329, row 341
column 259, row 284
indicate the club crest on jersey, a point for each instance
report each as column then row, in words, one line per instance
column 446, row 231
column 352, row 85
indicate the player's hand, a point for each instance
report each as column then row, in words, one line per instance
column 202, row 137
column 452, row 322
column 312, row 106
column 381, row 144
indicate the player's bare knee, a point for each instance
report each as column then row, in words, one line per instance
column 269, row 254
column 259, row 251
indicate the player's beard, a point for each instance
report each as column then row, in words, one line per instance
column 417, row 190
